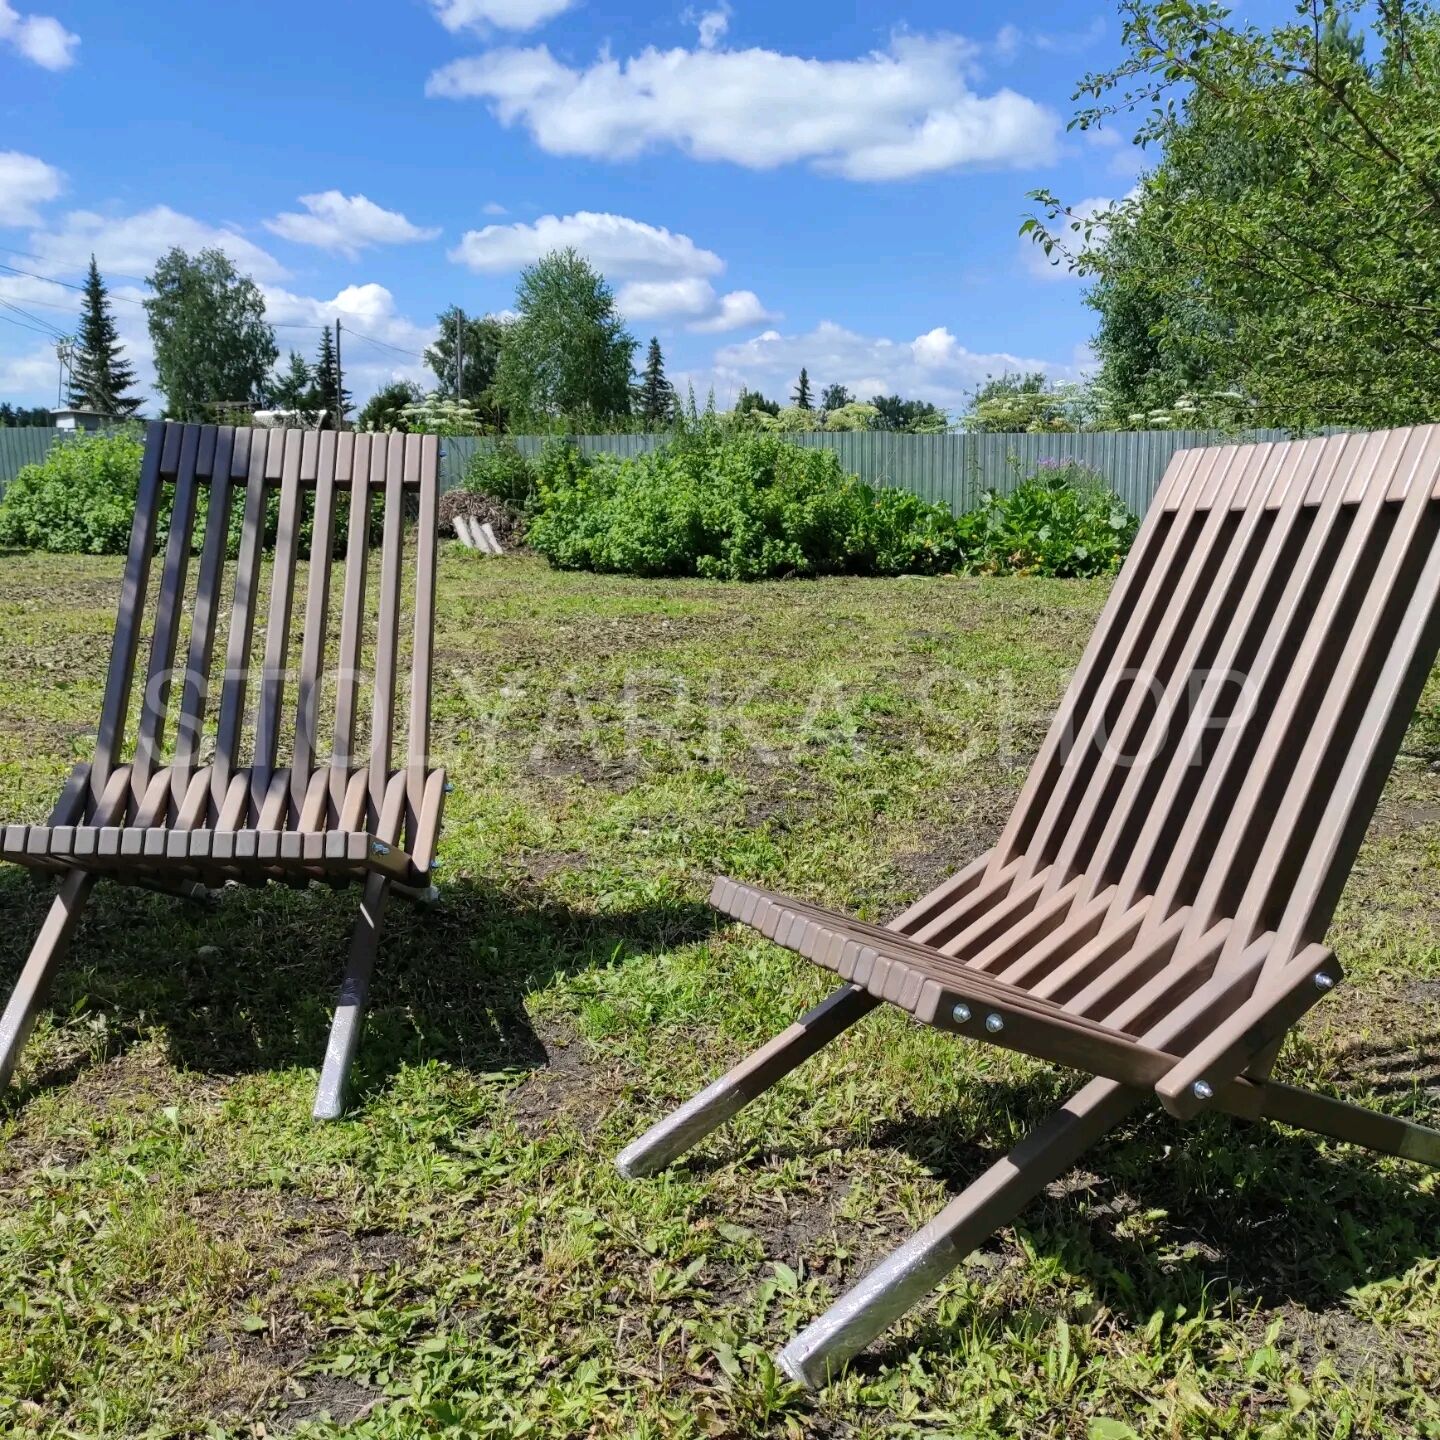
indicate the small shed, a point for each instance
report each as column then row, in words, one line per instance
column 66, row 419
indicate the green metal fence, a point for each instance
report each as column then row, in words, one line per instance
column 954, row 469
column 21, row 446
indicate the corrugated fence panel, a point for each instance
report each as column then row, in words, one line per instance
column 21, row 446
column 955, row 470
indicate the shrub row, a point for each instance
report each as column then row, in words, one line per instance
column 713, row 502
column 739, row 505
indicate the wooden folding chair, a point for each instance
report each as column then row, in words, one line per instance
column 1154, row 910
column 182, row 823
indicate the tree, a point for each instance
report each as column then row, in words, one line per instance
column 1009, row 404
column 1277, row 264
column 99, row 378
column 293, row 391
column 36, row 416
column 212, row 343
column 801, row 394
column 567, row 356
column 484, row 339
column 333, row 398
column 835, row 397
column 655, row 395
column 856, row 415
column 751, row 407
column 384, row 409
column 916, row 416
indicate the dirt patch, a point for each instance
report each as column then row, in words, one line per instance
column 572, row 1086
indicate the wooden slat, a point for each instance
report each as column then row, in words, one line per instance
column 317, row 607
column 423, row 455
column 277, row 627
column 242, row 615
column 196, row 680
column 110, row 734
column 387, row 639
column 367, row 455
column 155, row 702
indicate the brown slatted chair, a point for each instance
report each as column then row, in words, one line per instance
column 182, row 824
column 1155, row 910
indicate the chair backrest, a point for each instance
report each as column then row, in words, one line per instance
column 1226, row 737
column 281, row 481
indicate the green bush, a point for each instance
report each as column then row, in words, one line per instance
column 736, row 506
column 79, row 500
column 1063, row 522
column 503, row 473
column 741, row 505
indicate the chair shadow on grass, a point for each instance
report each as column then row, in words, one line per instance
column 246, row 981
column 1161, row 1215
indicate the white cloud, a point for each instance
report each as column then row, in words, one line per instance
column 40, row 38
column 367, row 310
column 661, row 274
column 1057, row 267
column 738, row 309
column 907, row 110
column 934, row 366
column 494, row 207
column 712, row 25
column 619, row 247
column 130, row 244
column 650, row 299
column 25, row 182
column 346, row 224
column 504, row 14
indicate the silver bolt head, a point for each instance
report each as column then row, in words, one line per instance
column 379, row 849
column 961, row 1014
column 1324, row 981
column 1202, row 1091
column 994, row 1024
column 449, row 788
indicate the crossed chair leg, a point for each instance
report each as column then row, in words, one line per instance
column 993, row 1199
column 53, row 941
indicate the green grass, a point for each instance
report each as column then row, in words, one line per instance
column 183, row 1253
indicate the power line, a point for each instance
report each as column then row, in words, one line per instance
column 38, row 320
column 384, row 344
column 34, row 329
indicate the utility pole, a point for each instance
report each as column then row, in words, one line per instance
column 63, row 351
column 460, row 355
column 339, row 382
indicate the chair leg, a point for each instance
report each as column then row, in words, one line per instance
column 1354, row 1124
column 712, row 1107
column 354, row 990
column 825, row 1346
column 50, row 946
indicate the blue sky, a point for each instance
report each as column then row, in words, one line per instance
column 765, row 185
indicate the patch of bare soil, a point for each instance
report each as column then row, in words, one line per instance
column 573, row 1086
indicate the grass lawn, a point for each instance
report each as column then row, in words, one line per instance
column 182, row 1252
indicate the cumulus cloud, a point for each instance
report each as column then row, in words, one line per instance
column 363, row 310
column 130, row 244
column 503, row 14
column 661, row 274
column 617, row 246
column 25, row 183
column 933, row 366
column 712, row 25
column 737, row 310
column 39, row 38
column 908, row 110
column 346, row 224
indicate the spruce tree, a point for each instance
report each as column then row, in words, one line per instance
column 293, row 390
column 99, row 378
column 801, row 397
column 332, row 399
column 655, row 397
